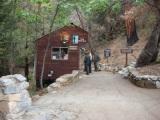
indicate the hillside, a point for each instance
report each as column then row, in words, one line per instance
column 118, row 59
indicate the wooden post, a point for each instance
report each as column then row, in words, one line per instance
column 126, row 51
column 107, row 60
column 126, row 64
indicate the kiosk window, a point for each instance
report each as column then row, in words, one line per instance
column 60, row 53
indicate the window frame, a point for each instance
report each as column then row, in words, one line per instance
column 60, row 52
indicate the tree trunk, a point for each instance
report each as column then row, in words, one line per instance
column 12, row 47
column 130, row 23
column 132, row 36
column 79, row 17
column 26, row 68
column 48, row 44
column 150, row 52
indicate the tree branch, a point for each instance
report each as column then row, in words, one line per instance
column 79, row 16
column 152, row 5
column 46, row 50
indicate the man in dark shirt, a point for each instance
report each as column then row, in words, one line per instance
column 87, row 63
column 96, row 59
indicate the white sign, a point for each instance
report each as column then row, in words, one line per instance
column 82, row 40
column 73, row 48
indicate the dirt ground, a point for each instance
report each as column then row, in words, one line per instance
column 99, row 96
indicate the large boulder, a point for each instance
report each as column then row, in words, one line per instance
column 15, row 88
column 14, row 97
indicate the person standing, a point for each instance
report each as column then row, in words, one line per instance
column 96, row 59
column 87, row 63
column 90, row 63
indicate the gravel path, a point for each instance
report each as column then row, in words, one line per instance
column 99, row 96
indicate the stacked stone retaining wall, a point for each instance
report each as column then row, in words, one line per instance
column 144, row 81
column 14, row 97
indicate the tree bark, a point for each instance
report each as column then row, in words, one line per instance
column 12, row 47
column 26, row 70
column 132, row 36
column 151, row 50
column 130, row 23
column 47, row 47
column 79, row 17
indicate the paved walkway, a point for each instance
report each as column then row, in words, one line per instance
column 102, row 96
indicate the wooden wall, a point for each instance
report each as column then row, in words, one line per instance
column 59, row 67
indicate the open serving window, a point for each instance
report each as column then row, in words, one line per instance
column 60, row 53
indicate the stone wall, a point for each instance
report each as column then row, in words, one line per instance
column 63, row 81
column 14, row 97
column 144, row 81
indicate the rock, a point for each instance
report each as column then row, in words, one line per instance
column 124, row 72
column 19, row 77
column 154, row 78
column 14, row 107
column 133, row 64
column 7, row 77
column 53, row 87
column 6, row 82
column 149, row 84
column 147, row 81
column 49, row 89
column 69, row 77
column 13, row 89
column 62, row 80
column 12, row 97
column 102, row 66
column 2, row 116
column 158, row 84
column 140, row 83
column 130, row 68
column 134, row 73
column 75, row 73
column 9, row 90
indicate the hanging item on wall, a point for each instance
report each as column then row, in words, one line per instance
column 64, row 38
column 75, row 39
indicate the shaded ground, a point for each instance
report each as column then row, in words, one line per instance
column 100, row 96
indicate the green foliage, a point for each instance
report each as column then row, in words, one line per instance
column 40, row 1
column 23, row 21
column 116, row 8
column 139, row 2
